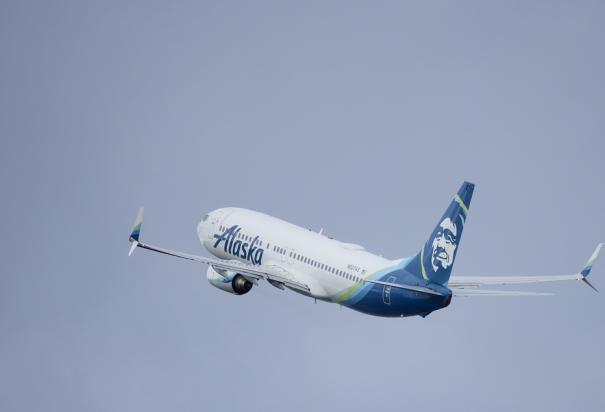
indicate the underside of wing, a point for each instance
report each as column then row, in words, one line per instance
column 458, row 292
column 478, row 281
column 473, row 282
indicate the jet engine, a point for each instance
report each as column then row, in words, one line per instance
column 229, row 282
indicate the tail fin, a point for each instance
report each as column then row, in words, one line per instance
column 435, row 260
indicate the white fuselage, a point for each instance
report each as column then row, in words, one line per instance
column 328, row 266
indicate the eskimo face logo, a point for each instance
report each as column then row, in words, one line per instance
column 444, row 245
column 237, row 247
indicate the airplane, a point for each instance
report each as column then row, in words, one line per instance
column 251, row 246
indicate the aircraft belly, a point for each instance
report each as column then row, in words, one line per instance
column 399, row 303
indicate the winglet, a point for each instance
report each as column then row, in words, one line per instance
column 136, row 232
column 588, row 267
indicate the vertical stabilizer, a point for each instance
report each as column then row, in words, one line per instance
column 435, row 260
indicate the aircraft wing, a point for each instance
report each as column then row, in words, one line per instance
column 274, row 274
column 461, row 292
column 470, row 282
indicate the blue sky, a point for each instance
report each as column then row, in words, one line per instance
column 361, row 118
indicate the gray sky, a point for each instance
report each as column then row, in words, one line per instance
column 359, row 117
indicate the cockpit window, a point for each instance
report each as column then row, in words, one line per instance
column 204, row 219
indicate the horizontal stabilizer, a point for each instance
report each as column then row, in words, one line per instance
column 420, row 289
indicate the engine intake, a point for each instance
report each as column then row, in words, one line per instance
column 241, row 285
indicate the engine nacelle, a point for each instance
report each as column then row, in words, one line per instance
column 231, row 282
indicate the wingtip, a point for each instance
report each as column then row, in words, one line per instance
column 590, row 284
column 588, row 267
column 136, row 228
column 133, row 246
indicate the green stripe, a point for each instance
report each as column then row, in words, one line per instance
column 461, row 203
column 422, row 264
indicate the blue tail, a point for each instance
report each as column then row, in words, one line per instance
column 435, row 260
